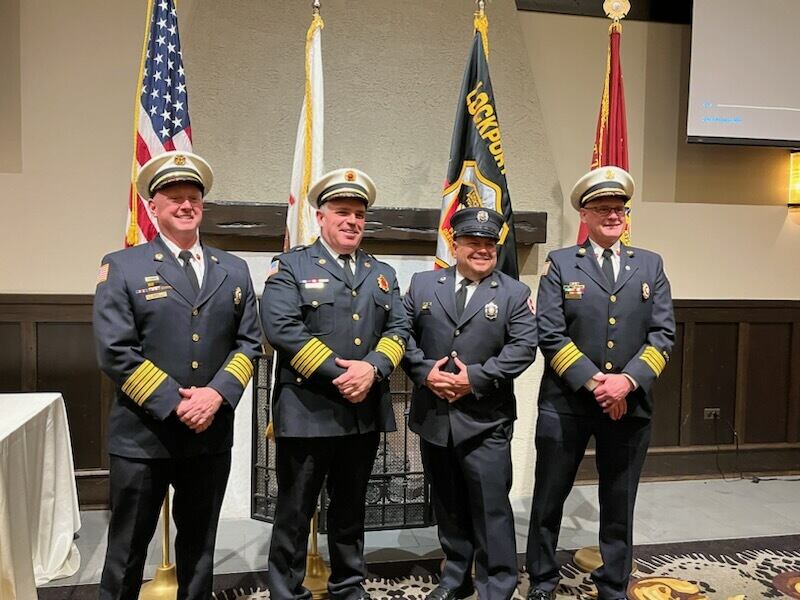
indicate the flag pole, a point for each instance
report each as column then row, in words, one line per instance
column 164, row 585
column 317, row 572
column 588, row 558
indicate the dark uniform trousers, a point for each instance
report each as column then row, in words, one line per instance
column 311, row 316
column 466, row 445
column 138, row 488
column 154, row 335
column 586, row 326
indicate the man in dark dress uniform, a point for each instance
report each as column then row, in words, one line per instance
column 176, row 329
column 472, row 332
column 606, row 328
column 335, row 316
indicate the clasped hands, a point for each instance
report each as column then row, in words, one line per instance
column 611, row 393
column 354, row 384
column 197, row 407
column 449, row 386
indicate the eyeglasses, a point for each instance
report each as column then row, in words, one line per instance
column 604, row 211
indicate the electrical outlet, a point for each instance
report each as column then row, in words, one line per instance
column 709, row 414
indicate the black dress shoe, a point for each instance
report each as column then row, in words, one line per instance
column 363, row 595
column 535, row 594
column 442, row 593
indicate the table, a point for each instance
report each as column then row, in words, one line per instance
column 38, row 499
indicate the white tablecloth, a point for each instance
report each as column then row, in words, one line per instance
column 38, row 498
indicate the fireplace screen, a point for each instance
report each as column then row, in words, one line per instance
column 398, row 495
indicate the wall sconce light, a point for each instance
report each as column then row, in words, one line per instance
column 794, row 186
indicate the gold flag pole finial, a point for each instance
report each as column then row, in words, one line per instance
column 315, row 7
column 481, row 24
column 616, row 10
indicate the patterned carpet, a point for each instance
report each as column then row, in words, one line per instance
column 730, row 569
column 745, row 569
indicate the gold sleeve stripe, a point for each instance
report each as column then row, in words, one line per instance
column 315, row 364
column 392, row 349
column 653, row 359
column 243, row 361
column 238, row 371
column 143, row 382
column 309, row 358
column 312, row 357
column 565, row 358
column 240, row 367
column 654, row 355
column 240, row 377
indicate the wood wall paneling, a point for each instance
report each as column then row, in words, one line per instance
column 713, row 382
column 739, row 356
column 667, row 397
column 66, row 363
column 767, row 386
column 10, row 357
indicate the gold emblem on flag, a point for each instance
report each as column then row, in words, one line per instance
column 180, row 160
column 383, row 283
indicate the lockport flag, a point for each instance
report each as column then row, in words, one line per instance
column 476, row 173
column 301, row 222
column 611, row 137
column 161, row 114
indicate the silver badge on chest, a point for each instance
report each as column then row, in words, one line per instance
column 490, row 311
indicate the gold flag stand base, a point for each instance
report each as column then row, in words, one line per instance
column 164, row 586
column 588, row 559
column 317, row 572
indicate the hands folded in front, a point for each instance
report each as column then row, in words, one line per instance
column 197, row 407
column 449, row 386
column 611, row 393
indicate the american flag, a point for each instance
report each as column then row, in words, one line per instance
column 162, row 109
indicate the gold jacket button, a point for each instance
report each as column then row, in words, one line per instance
column 357, row 341
column 613, row 298
column 299, row 380
column 356, row 317
column 195, row 337
column 612, row 321
column 386, row 306
column 195, row 364
column 457, row 332
column 453, row 354
column 196, row 312
column 314, row 303
column 610, row 344
column 609, row 366
column 354, row 293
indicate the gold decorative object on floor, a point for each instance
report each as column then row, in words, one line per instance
column 317, row 572
column 164, row 586
column 588, row 559
column 664, row 588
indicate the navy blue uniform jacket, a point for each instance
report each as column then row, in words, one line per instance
column 311, row 317
column 587, row 326
column 152, row 339
column 495, row 337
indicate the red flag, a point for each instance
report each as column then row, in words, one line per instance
column 611, row 139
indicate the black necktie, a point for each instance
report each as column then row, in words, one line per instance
column 461, row 296
column 608, row 267
column 348, row 271
column 186, row 257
